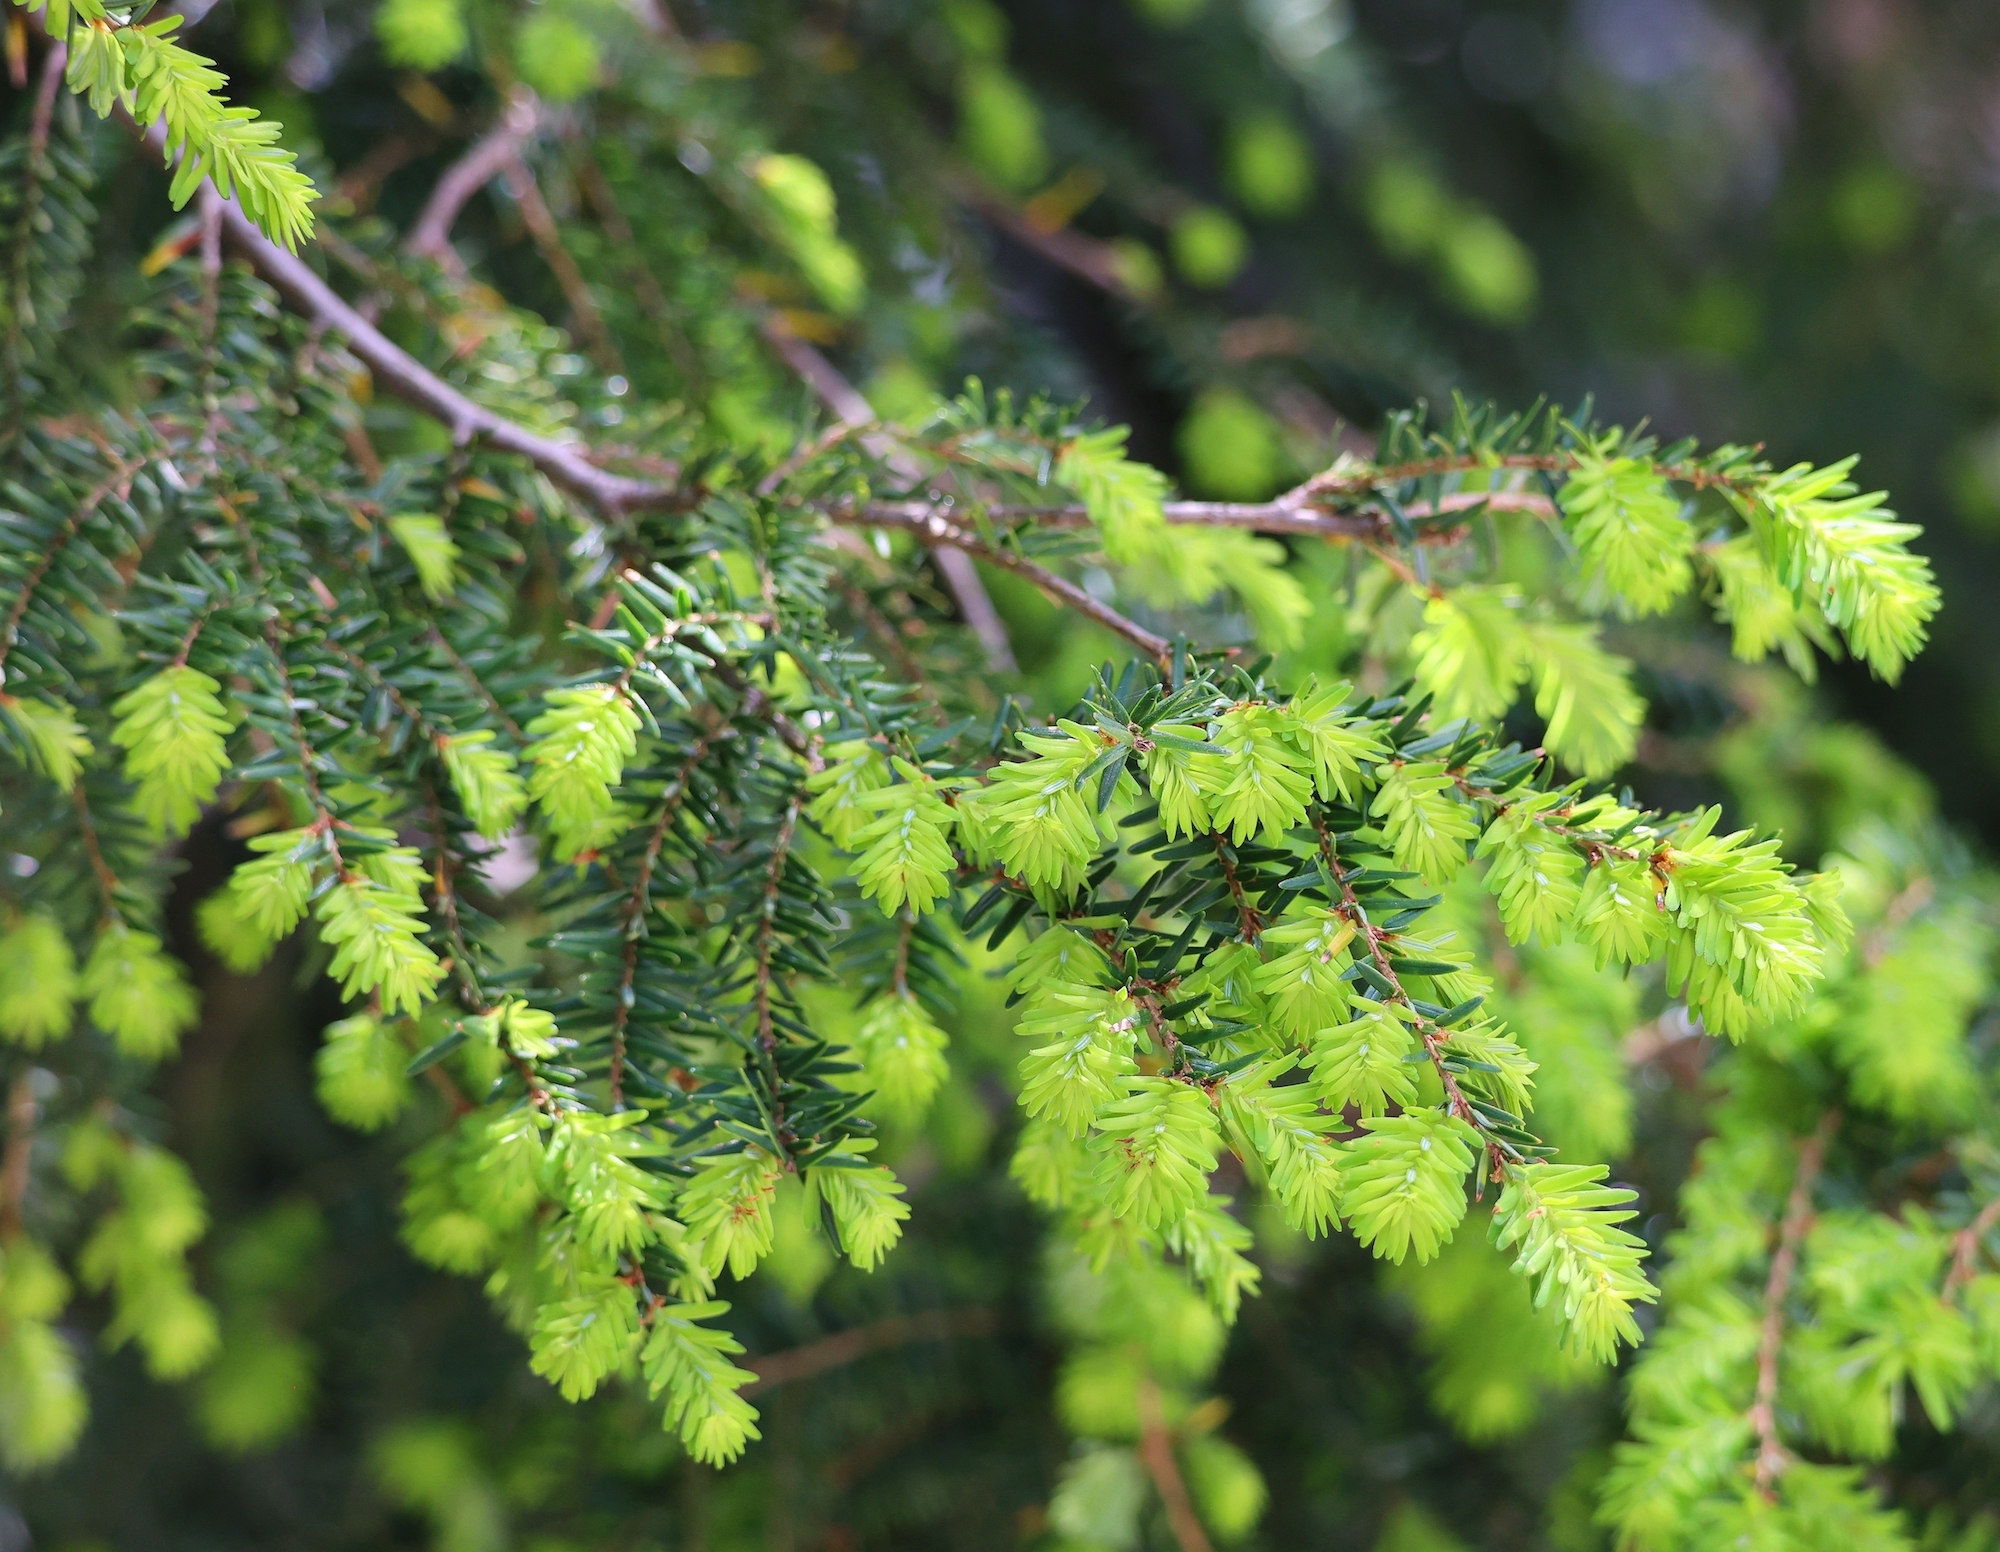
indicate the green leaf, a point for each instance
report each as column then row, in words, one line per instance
column 1406, row 1182
column 138, row 994
column 431, row 550
column 690, row 1362
column 174, row 731
column 360, row 1073
column 38, row 981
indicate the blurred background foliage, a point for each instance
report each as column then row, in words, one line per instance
column 1247, row 228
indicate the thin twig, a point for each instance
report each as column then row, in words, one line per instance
column 430, row 238
column 652, row 300
column 934, row 530
column 22, row 1114
column 363, row 181
column 1772, row 1456
column 1156, row 1449
column 1085, row 257
column 639, row 901
column 42, row 121
column 844, row 1347
column 10, row 628
column 1428, row 1031
column 34, row 182
column 847, row 402
column 438, row 639
column 1965, row 1246
column 1369, row 523
column 767, row 923
column 398, row 373
column 86, row 825
column 541, row 223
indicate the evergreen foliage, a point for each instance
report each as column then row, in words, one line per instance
column 1344, row 948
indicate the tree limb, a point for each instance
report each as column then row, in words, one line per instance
column 934, row 530
column 430, row 238
column 847, row 402
column 398, row 373
column 576, row 290
column 1772, row 1456
column 1156, row 1449
column 844, row 1347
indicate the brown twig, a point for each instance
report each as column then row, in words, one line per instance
column 1084, row 257
column 1965, row 1245
column 42, row 120
column 10, row 628
column 767, row 924
column 1246, row 914
column 465, row 670
column 395, row 151
column 396, row 372
column 639, row 901
column 1428, row 1031
column 844, row 1347
column 847, row 402
column 937, row 532
column 22, row 1113
column 86, row 824
column 1279, row 516
column 1156, row 1449
column 652, row 300
column 1772, row 1456
column 541, row 223
column 488, row 157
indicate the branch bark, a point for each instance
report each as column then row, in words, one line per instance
column 960, row 575
column 1965, row 1247
column 940, row 534
column 431, row 237
column 22, row 1114
column 548, row 239
column 398, row 373
column 844, row 1347
column 1156, row 1449
column 1772, row 1456
column 1287, row 515
column 1085, row 257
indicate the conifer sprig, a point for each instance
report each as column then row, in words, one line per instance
column 117, row 61
column 1231, row 881
column 1219, row 892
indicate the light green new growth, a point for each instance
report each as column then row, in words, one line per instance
column 487, row 784
column 902, row 1050
column 41, row 1391
column 377, row 937
column 117, row 63
column 431, row 550
column 690, row 1363
column 1228, row 883
column 174, row 731
column 38, row 981
column 582, row 742
column 137, row 994
column 48, row 737
column 360, row 1072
